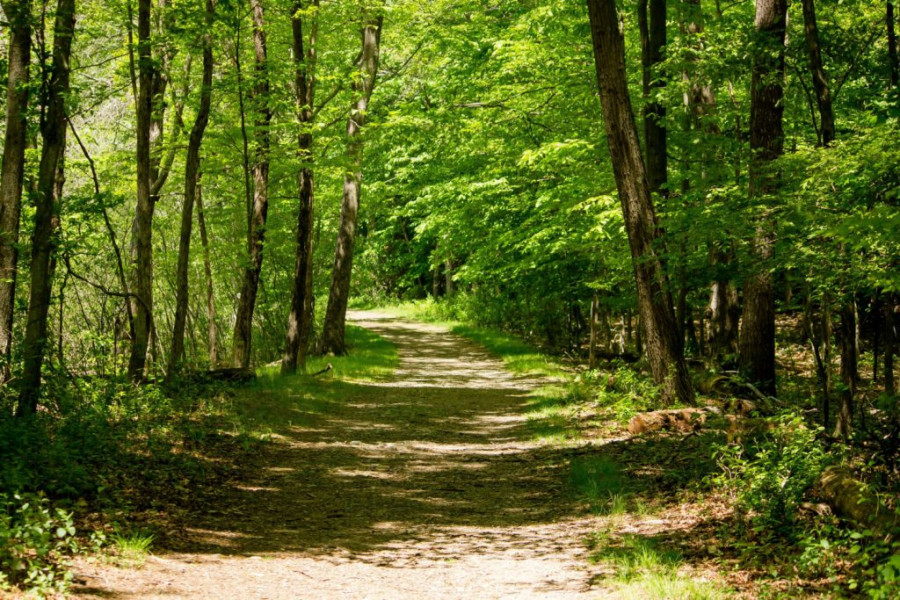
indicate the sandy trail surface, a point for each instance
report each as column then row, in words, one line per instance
column 427, row 484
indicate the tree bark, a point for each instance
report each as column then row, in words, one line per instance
column 142, row 231
column 18, row 15
column 339, row 294
column 849, row 369
column 663, row 346
column 207, row 270
column 243, row 326
column 890, row 342
column 820, row 79
column 191, row 177
column 757, row 337
column 652, row 22
column 46, row 218
column 893, row 61
column 300, row 318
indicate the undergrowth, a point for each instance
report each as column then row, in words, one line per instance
column 107, row 451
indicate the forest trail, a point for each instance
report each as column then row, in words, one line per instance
column 427, row 484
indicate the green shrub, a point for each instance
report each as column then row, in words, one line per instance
column 770, row 475
column 35, row 544
column 623, row 392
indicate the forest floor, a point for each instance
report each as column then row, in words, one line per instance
column 432, row 483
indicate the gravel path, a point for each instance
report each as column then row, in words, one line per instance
column 427, row 485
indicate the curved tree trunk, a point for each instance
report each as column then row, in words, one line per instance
column 663, row 346
column 820, row 79
column 191, row 171
column 243, row 325
column 18, row 15
column 46, row 218
column 339, row 295
column 757, row 340
column 300, row 317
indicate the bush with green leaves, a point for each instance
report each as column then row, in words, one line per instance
column 35, row 544
column 770, row 475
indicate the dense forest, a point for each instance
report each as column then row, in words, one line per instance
column 700, row 195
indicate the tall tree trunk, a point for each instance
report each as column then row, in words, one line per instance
column 757, row 339
column 207, row 271
column 652, row 24
column 46, row 218
column 893, row 61
column 339, row 294
column 849, row 369
column 664, row 348
column 820, row 79
column 18, row 15
column 142, row 229
column 890, row 342
column 300, row 317
column 243, row 326
column 191, row 171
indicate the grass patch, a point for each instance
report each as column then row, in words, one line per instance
column 131, row 547
column 642, row 569
column 599, row 481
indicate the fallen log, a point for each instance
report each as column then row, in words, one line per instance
column 682, row 419
column 233, row 374
column 853, row 500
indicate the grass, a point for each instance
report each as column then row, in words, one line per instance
column 131, row 547
column 642, row 569
column 272, row 400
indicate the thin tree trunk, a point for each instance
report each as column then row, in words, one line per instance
column 207, row 270
column 339, row 294
column 248, row 187
column 757, row 339
column 243, row 326
column 663, row 346
column 18, row 15
column 848, row 370
column 652, row 22
column 191, row 176
column 300, row 317
column 893, row 61
column 820, row 79
column 143, row 234
column 46, row 218
column 595, row 320
column 890, row 342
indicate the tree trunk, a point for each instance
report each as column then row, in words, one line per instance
column 820, row 80
column 757, row 339
column 191, row 170
column 300, row 317
column 243, row 326
column 46, row 218
column 142, row 230
column 595, row 320
column 18, row 15
column 652, row 24
column 207, row 270
column 890, row 342
column 339, row 295
column 849, row 369
column 664, row 349
column 893, row 62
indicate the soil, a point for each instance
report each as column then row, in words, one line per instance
column 428, row 484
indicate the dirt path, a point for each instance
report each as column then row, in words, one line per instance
column 424, row 486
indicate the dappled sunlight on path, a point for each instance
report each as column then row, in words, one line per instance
column 425, row 484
